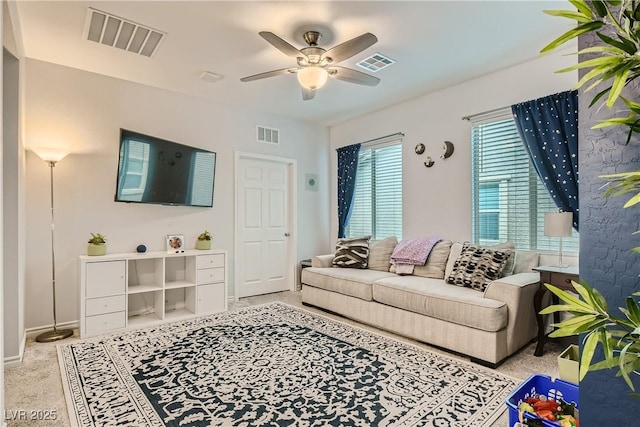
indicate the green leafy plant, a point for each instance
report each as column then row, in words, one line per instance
column 97, row 239
column 615, row 62
column 204, row 236
column 613, row 65
column 619, row 336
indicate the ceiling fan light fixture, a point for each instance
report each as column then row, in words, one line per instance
column 312, row 77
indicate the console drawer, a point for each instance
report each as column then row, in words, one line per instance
column 210, row 275
column 105, row 305
column 209, row 261
column 102, row 323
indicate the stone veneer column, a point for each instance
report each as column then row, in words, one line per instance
column 605, row 241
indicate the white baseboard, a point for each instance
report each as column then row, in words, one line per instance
column 73, row 324
column 17, row 360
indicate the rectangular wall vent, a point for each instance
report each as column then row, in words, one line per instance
column 268, row 135
column 375, row 62
column 110, row 30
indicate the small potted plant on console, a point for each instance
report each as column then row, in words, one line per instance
column 97, row 245
column 204, row 241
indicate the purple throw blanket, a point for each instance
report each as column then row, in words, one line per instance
column 413, row 251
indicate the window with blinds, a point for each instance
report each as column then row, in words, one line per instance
column 508, row 199
column 377, row 207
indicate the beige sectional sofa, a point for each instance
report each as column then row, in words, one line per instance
column 487, row 326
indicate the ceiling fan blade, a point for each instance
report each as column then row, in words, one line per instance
column 308, row 94
column 281, row 45
column 269, row 74
column 353, row 76
column 350, row 47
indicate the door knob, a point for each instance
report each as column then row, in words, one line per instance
column 286, row 234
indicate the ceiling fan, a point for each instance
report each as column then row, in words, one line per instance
column 316, row 64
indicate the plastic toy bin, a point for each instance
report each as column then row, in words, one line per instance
column 540, row 384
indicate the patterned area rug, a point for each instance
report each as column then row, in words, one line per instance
column 271, row 365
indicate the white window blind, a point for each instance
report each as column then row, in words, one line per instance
column 508, row 199
column 377, row 207
column 203, row 170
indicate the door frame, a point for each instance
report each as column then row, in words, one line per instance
column 292, row 213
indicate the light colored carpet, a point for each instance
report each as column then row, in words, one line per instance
column 36, row 384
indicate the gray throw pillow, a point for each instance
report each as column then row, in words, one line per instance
column 352, row 253
column 380, row 253
column 456, row 249
column 436, row 262
column 476, row 267
column 510, row 249
column 525, row 261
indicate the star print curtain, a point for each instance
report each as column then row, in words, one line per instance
column 347, row 167
column 548, row 128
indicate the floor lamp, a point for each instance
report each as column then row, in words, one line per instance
column 52, row 157
column 558, row 224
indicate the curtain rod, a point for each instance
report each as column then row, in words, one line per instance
column 382, row 137
column 496, row 110
column 473, row 116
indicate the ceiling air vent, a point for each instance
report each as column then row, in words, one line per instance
column 110, row 30
column 268, row 135
column 376, row 62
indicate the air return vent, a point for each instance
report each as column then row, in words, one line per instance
column 268, row 135
column 110, row 30
column 376, row 62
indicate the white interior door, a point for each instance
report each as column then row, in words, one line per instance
column 263, row 233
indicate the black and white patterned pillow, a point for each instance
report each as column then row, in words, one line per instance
column 352, row 253
column 476, row 267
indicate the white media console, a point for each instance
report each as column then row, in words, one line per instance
column 131, row 290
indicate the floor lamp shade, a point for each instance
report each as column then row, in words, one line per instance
column 558, row 224
column 50, row 154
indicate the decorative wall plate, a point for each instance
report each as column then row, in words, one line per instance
column 419, row 148
column 448, row 150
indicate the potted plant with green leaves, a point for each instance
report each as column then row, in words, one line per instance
column 204, row 241
column 610, row 67
column 97, row 245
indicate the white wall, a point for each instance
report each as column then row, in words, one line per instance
column 1, row 215
column 437, row 201
column 84, row 112
column 13, row 213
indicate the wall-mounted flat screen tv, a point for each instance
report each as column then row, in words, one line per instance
column 154, row 170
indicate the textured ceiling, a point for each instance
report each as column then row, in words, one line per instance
column 436, row 44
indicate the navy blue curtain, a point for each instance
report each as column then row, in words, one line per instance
column 347, row 167
column 548, row 127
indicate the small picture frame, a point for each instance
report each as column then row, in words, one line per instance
column 175, row 243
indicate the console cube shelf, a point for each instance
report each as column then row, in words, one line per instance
column 132, row 290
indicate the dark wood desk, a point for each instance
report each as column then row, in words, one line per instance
column 559, row 277
column 303, row 264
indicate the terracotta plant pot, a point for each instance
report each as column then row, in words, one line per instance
column 203, row 244
column 95, row 250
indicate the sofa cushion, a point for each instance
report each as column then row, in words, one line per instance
column 525, row 261
column 435, row 298
column 436, row 262
column 352, row 253
column 510, row 249
column 353, row 282
column 456, row 249
column 380, row 253
column 477, row 266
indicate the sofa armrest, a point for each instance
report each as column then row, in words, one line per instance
column 517, row 291
column 322, row 261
